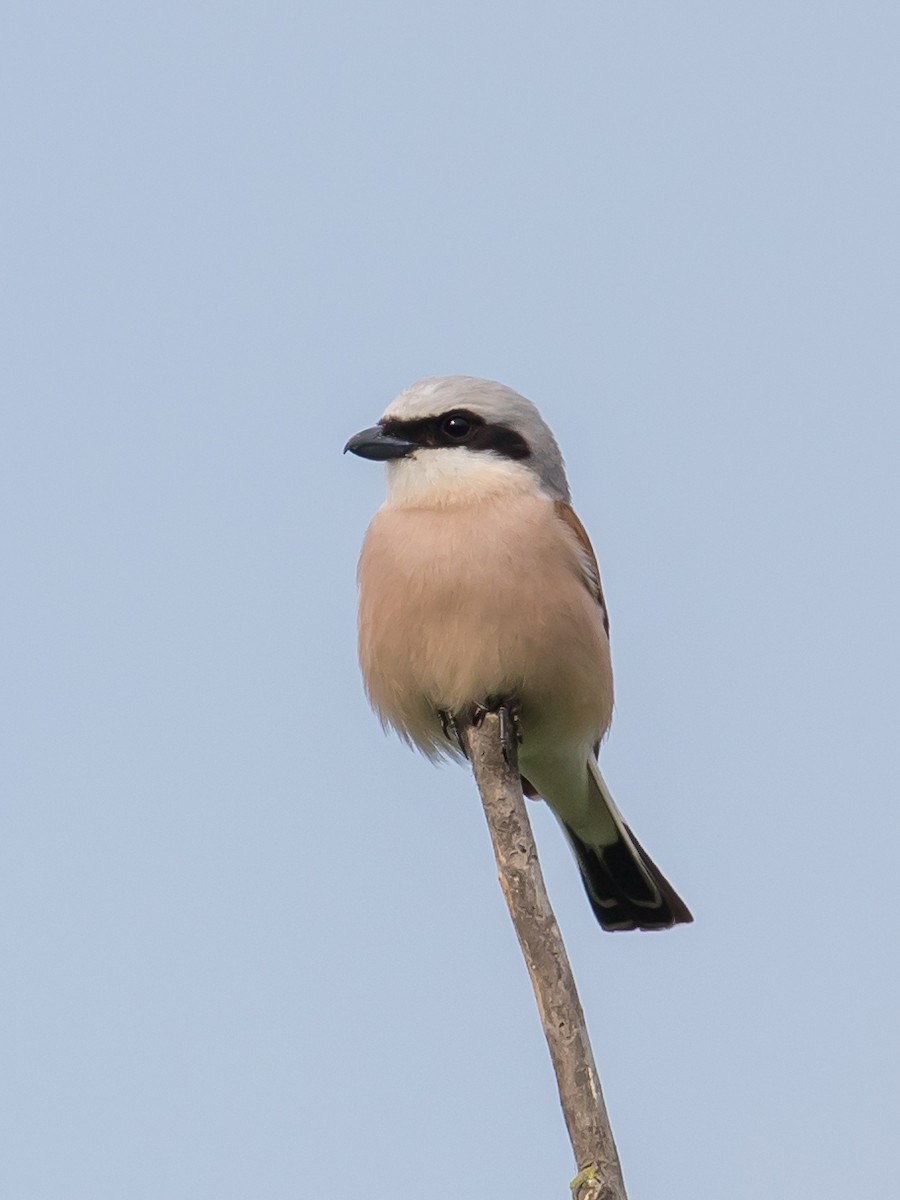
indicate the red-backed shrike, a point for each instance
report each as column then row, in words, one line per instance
column 479, row 586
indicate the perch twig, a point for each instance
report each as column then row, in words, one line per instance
column 497, row 776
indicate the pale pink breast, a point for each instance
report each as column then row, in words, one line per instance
column 477, row 601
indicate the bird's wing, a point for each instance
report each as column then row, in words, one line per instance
column 589, row 569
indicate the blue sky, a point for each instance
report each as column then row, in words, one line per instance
column 252, row 949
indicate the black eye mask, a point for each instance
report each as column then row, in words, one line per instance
column 460, row 428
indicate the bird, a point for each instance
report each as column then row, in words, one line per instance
column 479, row 588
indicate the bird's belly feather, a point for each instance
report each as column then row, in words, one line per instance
column 458, row 607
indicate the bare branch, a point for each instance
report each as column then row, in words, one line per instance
column 600, row 1174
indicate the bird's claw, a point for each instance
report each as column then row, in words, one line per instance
column 510, row 730
column 450, row 729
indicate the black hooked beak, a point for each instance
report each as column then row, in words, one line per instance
column 376, row 444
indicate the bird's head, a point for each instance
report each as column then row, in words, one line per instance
column 456, row 439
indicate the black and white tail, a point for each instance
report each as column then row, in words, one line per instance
column 625, row 888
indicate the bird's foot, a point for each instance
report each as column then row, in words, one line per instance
column 510, row 729
column 510, row 732
column 450, row 729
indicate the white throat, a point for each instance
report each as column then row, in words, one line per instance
column 447, row 476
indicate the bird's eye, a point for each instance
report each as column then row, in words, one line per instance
column 457, row 427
